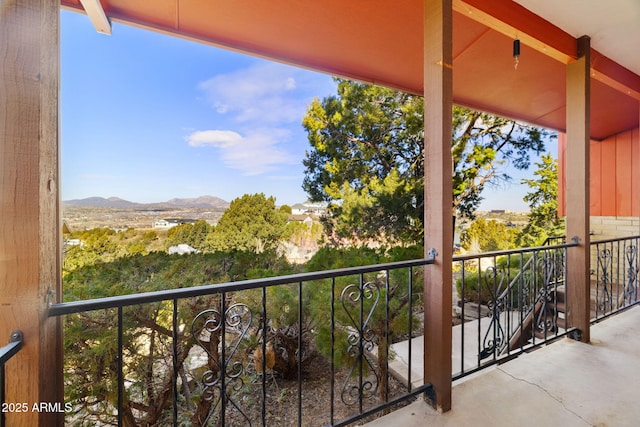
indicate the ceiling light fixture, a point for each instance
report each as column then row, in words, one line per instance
column 516, row 53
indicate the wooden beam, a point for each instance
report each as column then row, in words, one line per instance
column 577, row 189
column 517, row 22
column 96, row 14
column 614, row 75
column 438, row 222
column 30, row 226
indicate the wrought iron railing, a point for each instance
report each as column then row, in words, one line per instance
column 509, row 301
column 614, row 275
column 6, row 353
column 223, row 344
column 554, row 240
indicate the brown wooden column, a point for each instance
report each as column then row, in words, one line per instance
column 438, row 223
column 577, row 188
column 30, row 224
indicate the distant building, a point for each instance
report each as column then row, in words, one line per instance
column 182, row 249
column 163, row 223
column 73, row 242
column 303, row 218
column 316, row 208
column 172, row 222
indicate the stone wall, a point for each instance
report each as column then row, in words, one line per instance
column 607, row 227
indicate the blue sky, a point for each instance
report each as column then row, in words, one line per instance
column 147, row 117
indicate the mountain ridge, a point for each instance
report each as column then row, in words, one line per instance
column 201, row 202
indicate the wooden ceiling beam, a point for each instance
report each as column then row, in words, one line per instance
column 96, row 14
column 516, row 22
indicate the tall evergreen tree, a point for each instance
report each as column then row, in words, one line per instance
column 367, row 160
column 543, row 221
column 251, row 223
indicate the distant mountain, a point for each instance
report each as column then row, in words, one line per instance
column 202, row 202
column 199, row 202
column 101, row 202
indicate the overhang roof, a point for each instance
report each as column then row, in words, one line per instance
column 381, row 42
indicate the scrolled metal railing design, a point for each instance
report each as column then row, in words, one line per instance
column 604, row 298
column 495, row 338
column 631, row 285
column 548, row 268
column 517, row 297
column 219, row 333
column 615, row 275
column 359, row 303
column 212, row 379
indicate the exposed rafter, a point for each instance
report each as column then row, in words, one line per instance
column 97, row 16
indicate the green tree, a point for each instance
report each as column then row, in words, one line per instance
column 366, row 159
column 195, row 235
column 543, row 203
column 286, row 209
column 488, row 236
column 96, row 245
column 251, row 223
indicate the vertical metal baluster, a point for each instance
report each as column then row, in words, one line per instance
column 597, row 279
column 508, row 306
column 611, row 279
column 174, row 339
column 479, row 300
column 567, row 288
column 462, row 296
column 542, row 278
column 15, row 344
column 2, row 396
column 120, row 363
column 386, row 326
column 223, row 360
column 521, row 297
column 300, row 354
column 495, row 311
column 361, row 344
column 333, row 344
column 554, row 271
column 617, row 300
column 626, row 273
column 635, row 292
column 553, row 286
column 537, row 287
column 410, row 326
column 636, row 269
column 264, row 356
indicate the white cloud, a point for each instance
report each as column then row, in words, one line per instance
column 214, row 138
column 255, row 153
column 264, row 104
column 266, row 93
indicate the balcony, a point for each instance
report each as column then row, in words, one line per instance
column 215, row 348
column 562, row 83
column 566, row 383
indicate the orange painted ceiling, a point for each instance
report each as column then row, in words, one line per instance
column 381, row 41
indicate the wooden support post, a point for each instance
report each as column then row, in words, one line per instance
column 438, row 223
column 29, row 207
column 577, row 189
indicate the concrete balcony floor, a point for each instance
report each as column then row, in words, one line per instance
column 566, row 383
